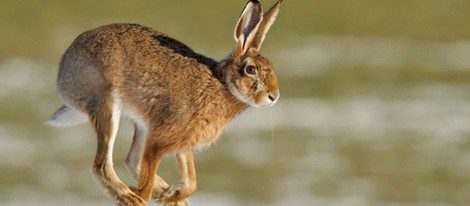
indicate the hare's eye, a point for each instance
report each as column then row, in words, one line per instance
column 250, row 70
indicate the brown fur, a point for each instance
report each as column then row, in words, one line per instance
column 181, row 99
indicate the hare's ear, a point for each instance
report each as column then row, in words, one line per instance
column 247, row 26
column 268, row 20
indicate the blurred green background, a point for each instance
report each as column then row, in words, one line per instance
column 374, row 109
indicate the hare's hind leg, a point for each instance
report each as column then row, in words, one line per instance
column 133, row 160
column 151, row 157
column 104, row 115
column 176, row 194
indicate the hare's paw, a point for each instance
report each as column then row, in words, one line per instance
column 171, row 196
column 183, row 202
column 131, row 199
column 171, row 193
column 175, row 193
column 158, row 194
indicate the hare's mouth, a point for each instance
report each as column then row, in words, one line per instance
column 235, row 92
column 265, row 101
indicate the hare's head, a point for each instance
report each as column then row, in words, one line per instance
column 248, row 75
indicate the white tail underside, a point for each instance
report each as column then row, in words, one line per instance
column 65, row 117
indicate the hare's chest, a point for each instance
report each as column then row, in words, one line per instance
column 206, row 131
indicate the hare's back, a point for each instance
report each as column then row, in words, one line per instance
column 122, row 49
column 143, row 64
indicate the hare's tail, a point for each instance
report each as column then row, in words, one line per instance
column 65, row 117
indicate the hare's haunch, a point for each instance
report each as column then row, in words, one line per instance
column 178, row 99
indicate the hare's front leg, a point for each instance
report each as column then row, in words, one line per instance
column 133, row 160
column 176, row 194
column 105, row 114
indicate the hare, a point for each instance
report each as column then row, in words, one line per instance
column 178, row 100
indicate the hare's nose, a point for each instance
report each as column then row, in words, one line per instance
column 273, row 96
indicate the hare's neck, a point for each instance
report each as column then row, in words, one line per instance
column 233, row 106
column 216, row 101
column 220, row 104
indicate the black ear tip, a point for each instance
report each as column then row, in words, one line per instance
column 255, row 1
